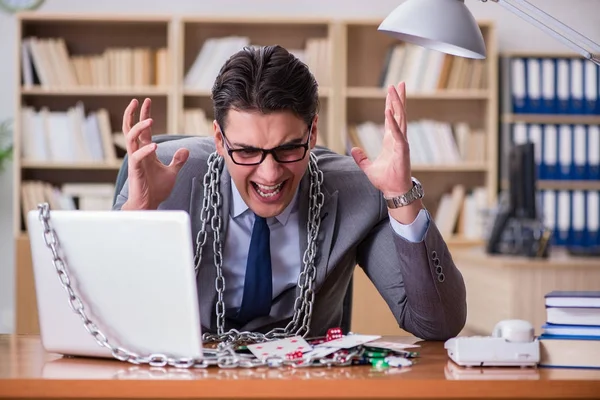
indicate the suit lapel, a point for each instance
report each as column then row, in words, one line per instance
column 208, row 273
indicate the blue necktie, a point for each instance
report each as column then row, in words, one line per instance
column 258, row 285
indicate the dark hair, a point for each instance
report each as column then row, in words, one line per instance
column 265, row 79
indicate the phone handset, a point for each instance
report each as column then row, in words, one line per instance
column 514, row 330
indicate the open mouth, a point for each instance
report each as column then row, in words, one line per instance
column 268, row 191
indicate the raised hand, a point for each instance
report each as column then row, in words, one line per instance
column 150, row 181
column 390, row 172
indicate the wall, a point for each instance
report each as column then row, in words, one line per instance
column 514, row 34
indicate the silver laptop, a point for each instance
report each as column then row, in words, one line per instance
column 134, row 272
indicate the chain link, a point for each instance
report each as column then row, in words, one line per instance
column 300, row 323
column 224, row 355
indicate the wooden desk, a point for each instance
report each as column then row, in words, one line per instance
column 27, row 371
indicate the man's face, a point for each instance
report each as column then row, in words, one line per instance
column 269, row 187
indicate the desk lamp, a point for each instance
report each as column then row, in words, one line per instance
column 449, row 27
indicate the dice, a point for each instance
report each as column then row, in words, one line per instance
column 294, row 355
column 333, row 333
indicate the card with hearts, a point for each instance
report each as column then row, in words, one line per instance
column 279, row 347
column 349, row 341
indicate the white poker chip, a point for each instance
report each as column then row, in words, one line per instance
column 394, row 361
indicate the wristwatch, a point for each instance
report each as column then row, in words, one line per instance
column 405, row 199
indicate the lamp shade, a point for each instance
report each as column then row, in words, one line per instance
column 443, row 25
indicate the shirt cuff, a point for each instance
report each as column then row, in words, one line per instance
column 415, row 231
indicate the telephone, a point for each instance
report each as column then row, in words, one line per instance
column 512, row 344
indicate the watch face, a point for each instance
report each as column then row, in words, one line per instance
column 20, row 5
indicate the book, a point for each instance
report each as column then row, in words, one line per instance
column 569, row 352
column 583, row 299
column 571, row 330
column 573, row 316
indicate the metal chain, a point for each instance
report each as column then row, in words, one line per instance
column 224, row 356
column 304, row 302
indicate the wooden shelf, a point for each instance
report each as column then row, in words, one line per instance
column 323, row 92
column 449, row 167
column 33, row 16
column 380, row 93
column 462, row 241
column 551, row 119
column 543, row 184
column 71, row 166
column 95, row 91
column 568, row 185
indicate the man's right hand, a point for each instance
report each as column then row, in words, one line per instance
column 150, row 181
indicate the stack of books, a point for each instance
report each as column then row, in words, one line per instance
column 571, row 335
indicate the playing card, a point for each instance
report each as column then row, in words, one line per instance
column 279, row 347
column 319, row 352
column 382, row 344
column 347, row 342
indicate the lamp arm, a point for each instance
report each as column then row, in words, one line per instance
column 553, row 27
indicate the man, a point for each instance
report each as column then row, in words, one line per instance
column 280, row 223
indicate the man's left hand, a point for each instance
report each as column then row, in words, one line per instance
column 390, row 172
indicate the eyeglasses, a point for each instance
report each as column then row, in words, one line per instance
column 287, row 153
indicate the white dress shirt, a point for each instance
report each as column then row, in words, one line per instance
column 284, row 244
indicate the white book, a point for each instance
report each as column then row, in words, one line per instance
column 26, row 64
column 194, row 74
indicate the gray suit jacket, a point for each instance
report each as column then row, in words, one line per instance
column 419, row 281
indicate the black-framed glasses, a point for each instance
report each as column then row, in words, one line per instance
column 287, row 153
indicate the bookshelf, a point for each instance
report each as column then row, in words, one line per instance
column 552, row 100
column 77, row 75
column 347, row 58
column 442, row 92
column 309, row 39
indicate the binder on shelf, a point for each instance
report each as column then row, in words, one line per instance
column 548, row 205
column 593, row 218
column 565, row 152
column 591, row 92
column 563, row 86
column 518, row 85
column 576, row 103
column 563, row 217
column 580, row 164
column 535, row 136
column 578, row 236
column 550, row 152
column 548, row 86
column 534, row 86
column 593, row 156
